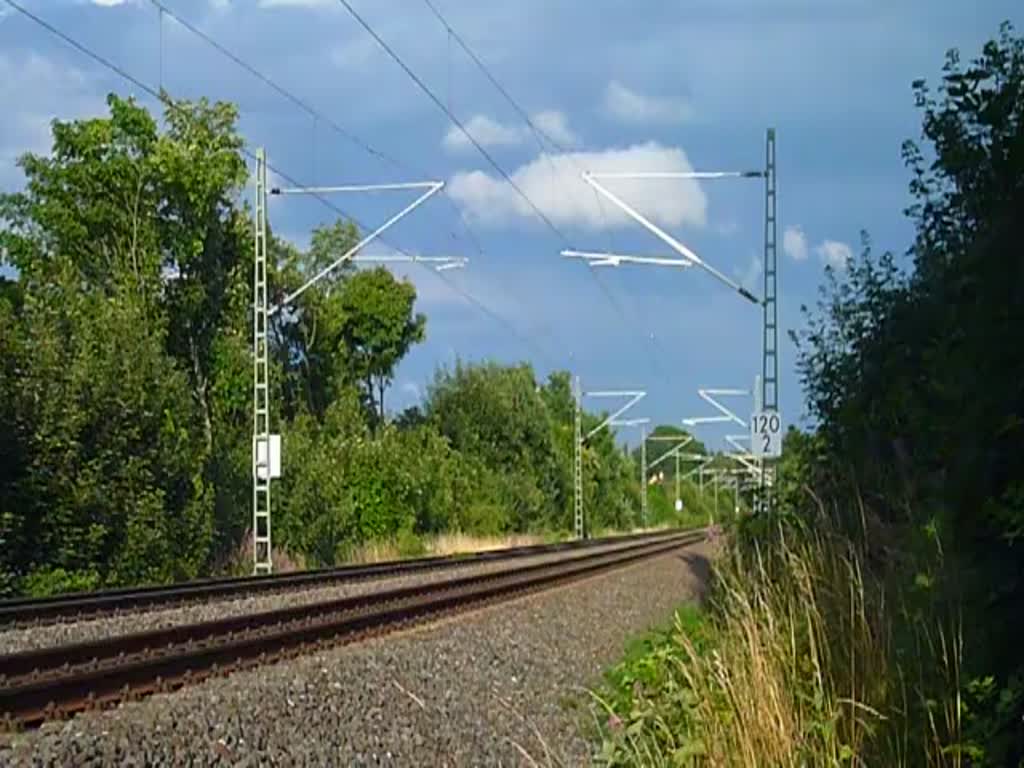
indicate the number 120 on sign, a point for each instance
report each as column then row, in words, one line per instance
column 766, row 434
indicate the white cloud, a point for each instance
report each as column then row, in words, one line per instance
column 553, row 183
column 835, row 254
column 487, row 132
column 490, row 133
column 37, row 90
column 794, row 243
column 629, row 106
column 556, row 126
column 748, row 277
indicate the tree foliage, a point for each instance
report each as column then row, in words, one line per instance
column 126, row 380
column 378, row 327
column 915, row 377
column 126, row 247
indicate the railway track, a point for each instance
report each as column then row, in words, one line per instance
column 57, row 682
column 29, row 612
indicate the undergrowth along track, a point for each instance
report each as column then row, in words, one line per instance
column 22, row 612
column 57, row 682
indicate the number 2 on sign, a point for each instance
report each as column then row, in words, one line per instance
column 767, row 426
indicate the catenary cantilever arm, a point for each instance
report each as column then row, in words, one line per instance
column 678, row 175
column 614, row 420
column 671, row 452
column 432, row 188
column 599, row 259
column 439, row 263
column 666, row 238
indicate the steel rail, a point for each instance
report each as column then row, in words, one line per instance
column 75, row 607
column 57, row 682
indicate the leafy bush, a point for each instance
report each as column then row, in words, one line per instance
column 914, row 379
column 126, row 380
column 794, row 663
column 45, row 582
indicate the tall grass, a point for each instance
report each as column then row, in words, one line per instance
column 794, row 665
column 239, row 560
column 396, row 548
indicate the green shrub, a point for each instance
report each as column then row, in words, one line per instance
column 409, row 544
column 44, row 582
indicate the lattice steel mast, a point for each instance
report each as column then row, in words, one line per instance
column 578, row 462
column 770, row 345
column 579, row 439
column 261, row 381
column 643, row 477
column 266, row 446
column 767, row 390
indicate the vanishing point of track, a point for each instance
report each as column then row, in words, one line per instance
column 57, row 682
column 67, row 608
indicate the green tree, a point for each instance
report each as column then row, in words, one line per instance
column 340, row 488
column 914, row 377
column 128, row 249
column 496, row 415
column 309, row 348
column 657, row 448
column 14, row 458
column 378, row 326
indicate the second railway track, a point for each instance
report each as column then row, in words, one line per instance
column 32, row 612
column 56, row 682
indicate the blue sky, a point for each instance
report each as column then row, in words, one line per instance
column 621, row 85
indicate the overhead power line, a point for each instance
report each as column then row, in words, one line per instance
column 522, row 337
column 312, row 111
column 163, row 97
column 451, row 116
column 493, row 80
column 541, row 136
column 280, row 90
column 319, row 116
column 160, row 95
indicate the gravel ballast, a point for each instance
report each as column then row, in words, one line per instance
column 485, row 688
column 13, row 640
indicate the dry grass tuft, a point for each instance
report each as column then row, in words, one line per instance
column 239, row 561
column 461, row 543
column 384, row 550
column 798, row 671
column 781, row 690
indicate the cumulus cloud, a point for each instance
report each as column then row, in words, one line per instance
column 487, row 132
column 629, row 106
column 555, row 125
column 834, row 253
column 554, row 185
column 794, row 243
column 490, row 133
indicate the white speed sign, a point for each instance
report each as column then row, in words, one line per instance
column 766, row 434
